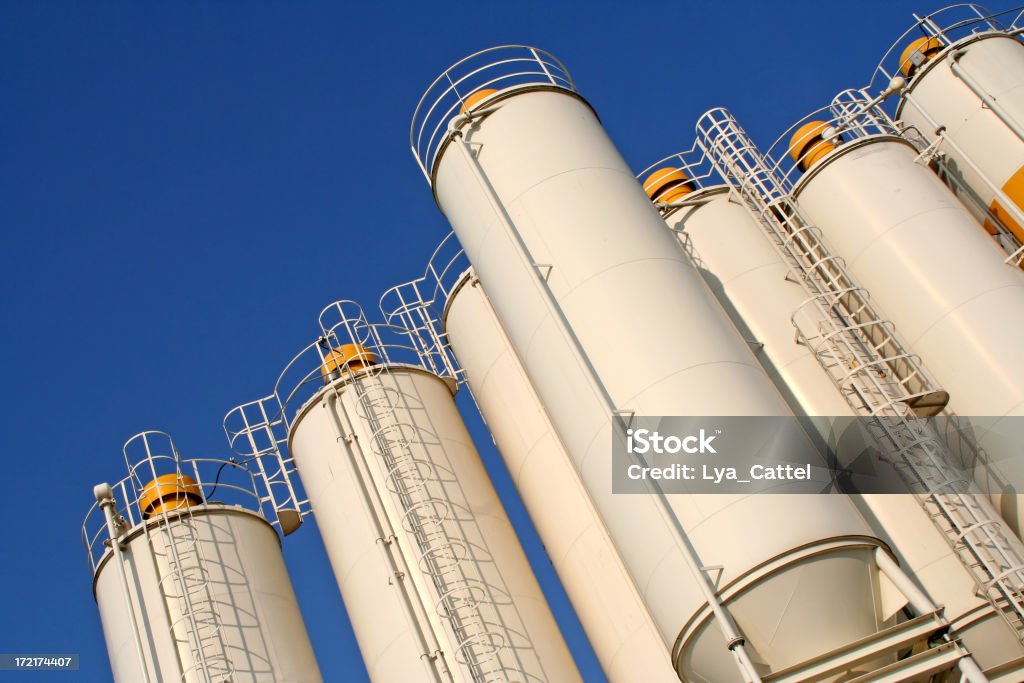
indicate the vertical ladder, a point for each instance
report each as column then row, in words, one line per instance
column 260, row 435
column 185, row 583
column 878, row 377
column 427, row 517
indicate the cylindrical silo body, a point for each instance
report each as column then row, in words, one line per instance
column 191, row 589
column 766, row 300
column 610, row 609
column 756, row 287
column 433, row 577
column 259, row 634
column 607, row 316
column 973, row 92
column 954, row 301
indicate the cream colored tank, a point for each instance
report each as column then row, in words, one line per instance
column 259, row 635
column 432, row 574
column 972, row 87
column 603, row 318
column 918, row 252
column 763, row 295
column 610, row 609
column 754, row 286
column 196, row 590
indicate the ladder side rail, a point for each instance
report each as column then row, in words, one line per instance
column 438, row 555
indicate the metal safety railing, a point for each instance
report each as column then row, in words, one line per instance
column 853, row 115
column 174, row 536
column 226, row 481
column 508, row 68
column 700, row 176
column 765, row 182
column 258, row 429
column 949, row 25
column 461, row 595
column 946, row 32
column 418, row 305
column 699, row 171
column 873, row 371
column 256, row 432
column 390, row 342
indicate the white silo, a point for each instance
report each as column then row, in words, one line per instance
column 915, row 248
column 188, row 573
column 433, row 577
column 964, row 94
column 450, row 298
column 607, row 323
column 746, row 273
column 760, row 280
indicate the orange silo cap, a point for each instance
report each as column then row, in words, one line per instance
column 169, row 492
column 475, row 98
column 807, row 146
column 347, row 357
column 667, row 184
column 928, row 47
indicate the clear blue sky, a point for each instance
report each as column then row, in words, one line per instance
column 183, row 186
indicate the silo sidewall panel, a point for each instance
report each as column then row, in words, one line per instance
column 150, row 614
column 514, row 606
column 753, row 278
column 246, row 588
column 931, row 272
column 647, row 322
column 374, row 604
column 997, row 64
column 739, row 260
column 602, row 593
column 264, row 632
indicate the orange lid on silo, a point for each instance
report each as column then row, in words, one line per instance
column 1014, row 191
column 667, row 184
column 928, row 47
column 346, row 357
column 476, row 98
column 169, row 492
column 807, row 146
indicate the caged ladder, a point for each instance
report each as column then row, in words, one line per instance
column 184, row 581
column 427, row 516
column 877, row 376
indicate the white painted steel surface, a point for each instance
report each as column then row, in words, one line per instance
column 751, row 280
column 332, row 444
column 611, row 611
column 382, row 620
column 932, row 272
column 939, row 97
column 659, row 344
column 260, row 626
